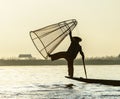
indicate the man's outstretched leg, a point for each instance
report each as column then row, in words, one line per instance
column 57, row 55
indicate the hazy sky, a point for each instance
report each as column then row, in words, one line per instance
column 98, row 24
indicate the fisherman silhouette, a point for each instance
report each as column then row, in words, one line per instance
column 70, row 54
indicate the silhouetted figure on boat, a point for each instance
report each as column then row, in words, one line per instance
column 70, row 54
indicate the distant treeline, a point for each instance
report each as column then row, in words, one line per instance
column 88, row 61
column 103, row 61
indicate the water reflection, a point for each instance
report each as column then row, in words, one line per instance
column 49, row 82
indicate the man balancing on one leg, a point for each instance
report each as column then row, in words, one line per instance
column 70, row 54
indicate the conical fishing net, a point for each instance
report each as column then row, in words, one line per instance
column 48, row 38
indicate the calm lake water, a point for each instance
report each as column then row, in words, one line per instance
column 48, row 82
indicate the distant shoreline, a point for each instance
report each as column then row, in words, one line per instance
column 26, row 62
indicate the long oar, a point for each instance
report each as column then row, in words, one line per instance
column 84, row 68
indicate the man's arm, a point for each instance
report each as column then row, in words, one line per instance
column 70, row 34
column 83, row 56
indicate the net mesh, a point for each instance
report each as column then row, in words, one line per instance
column 48, row 38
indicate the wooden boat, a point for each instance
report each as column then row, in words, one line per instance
column 98, row 81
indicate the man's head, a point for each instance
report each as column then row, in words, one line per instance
column 77, row 39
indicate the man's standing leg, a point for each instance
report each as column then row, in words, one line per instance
column 70, row 68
